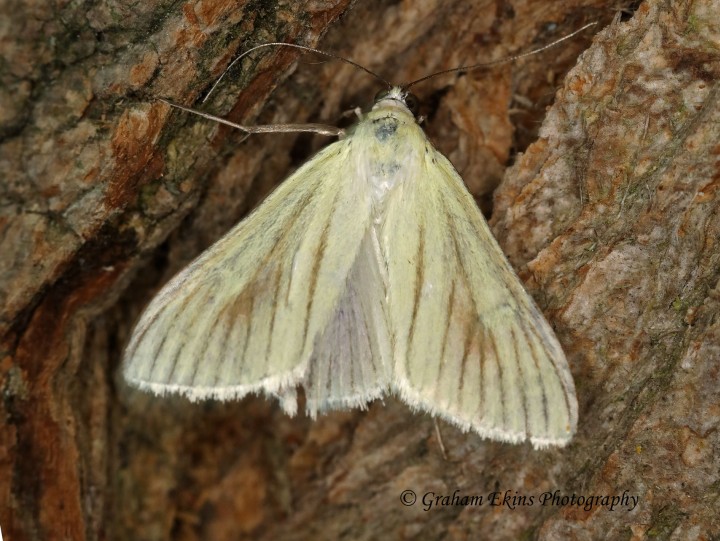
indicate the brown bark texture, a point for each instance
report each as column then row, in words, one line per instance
column 607, row 204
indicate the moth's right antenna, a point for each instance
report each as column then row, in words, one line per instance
column 502, row 60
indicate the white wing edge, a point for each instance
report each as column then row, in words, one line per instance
column 413, row 399
column 278, row 386
column 361, row 402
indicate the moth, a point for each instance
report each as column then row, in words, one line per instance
column 369, row 271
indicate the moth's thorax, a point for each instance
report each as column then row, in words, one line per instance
column 388, row 146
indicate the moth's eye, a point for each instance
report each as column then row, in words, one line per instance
column 412, row 103
column 382, row 94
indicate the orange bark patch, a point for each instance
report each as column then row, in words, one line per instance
column 133, row 148
column 213, row 11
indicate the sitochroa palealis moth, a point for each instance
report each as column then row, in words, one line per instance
column 369, row 271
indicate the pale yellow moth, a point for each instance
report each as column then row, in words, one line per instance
column 369, row 271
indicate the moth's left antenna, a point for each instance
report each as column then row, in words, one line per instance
column 294, row 46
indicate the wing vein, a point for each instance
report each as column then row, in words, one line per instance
column 419, row 279
column 206, row 340
column 467, row 344
column 496, row 357
column 558, row 375
column 223, row 349
column 482, row 360
column 268, row 348
column 523, row 394
column 317, row 264
column 248, row 333
column 541, row 380
column 443, row 361
column 182, row 343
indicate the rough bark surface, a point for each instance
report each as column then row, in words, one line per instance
column 611, row 217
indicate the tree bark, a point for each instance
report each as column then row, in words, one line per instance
column 609, row 212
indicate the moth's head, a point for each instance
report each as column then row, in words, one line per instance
column 398, row 97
